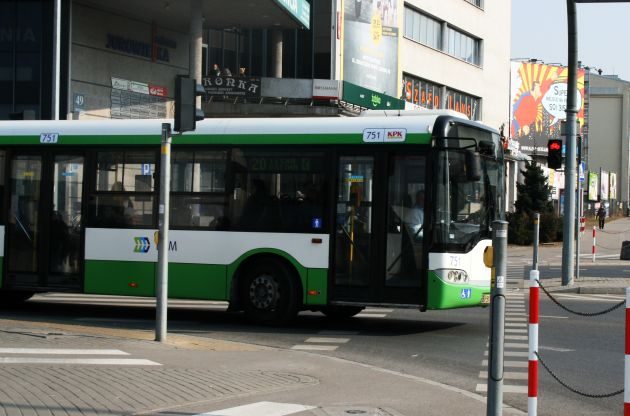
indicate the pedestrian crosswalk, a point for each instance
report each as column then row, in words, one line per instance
column 516, row 344
column 70, row 356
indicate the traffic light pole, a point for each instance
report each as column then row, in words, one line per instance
column 568, row 246
column 162, row 272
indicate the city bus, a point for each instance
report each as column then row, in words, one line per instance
column 274, row 216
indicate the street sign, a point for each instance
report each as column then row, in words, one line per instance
column 582, row 169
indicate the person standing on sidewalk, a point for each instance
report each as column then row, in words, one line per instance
column 601, row 216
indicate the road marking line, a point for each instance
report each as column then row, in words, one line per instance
column 508, row 313
column 260, row 409
column 378, row 310
column 515, row 324
column 516, row 319
column 371, row 315
column 315, row 347
column 327, row 339
column 556, row 349
column 59, row 351
column 554, row 317
column 518, row 364
column 511, row 375
column 516, row 330
column 516, row 337
column 483, row 388
column 516, row 345
column 90, row 361
column 511, row 353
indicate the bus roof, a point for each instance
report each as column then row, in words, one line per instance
column 311, row 130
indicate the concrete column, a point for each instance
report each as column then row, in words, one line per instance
column 196, row 33
column 276, row 45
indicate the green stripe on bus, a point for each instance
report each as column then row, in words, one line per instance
column 219, row 139
column 197, row 281
column 442, row 295
column 316, row 287
column 128, row 278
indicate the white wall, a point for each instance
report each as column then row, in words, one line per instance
column 491, row 81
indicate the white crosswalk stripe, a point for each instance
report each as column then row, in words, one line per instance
column 261, row 409
column 26, row 356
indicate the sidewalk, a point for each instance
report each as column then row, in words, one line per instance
column 607, row 254
column 188, row 375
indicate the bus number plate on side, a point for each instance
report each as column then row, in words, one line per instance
column 47, row 138
column 384, row 135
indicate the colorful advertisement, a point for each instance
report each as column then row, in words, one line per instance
column 603, row 185
column 538, row 102
column 370, row 44
column 427, row 94
column 613, row 186
column 592, row 186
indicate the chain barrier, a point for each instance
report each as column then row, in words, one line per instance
column 612, row 308
column 608, row 248
column 613, row 232
column 573, row 389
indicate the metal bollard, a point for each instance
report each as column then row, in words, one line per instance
column 532, row 372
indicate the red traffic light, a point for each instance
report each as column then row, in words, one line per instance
column 555, row 145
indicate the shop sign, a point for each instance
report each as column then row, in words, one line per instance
column 299, row 10
column 157, row 50
column 370, row 99
column 325, row 89
column 231, row 86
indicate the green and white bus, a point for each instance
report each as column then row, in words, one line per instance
column 272, row 215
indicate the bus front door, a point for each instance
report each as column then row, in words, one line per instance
column 44, row 228
column 379, row 253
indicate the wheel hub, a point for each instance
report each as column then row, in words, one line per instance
column 263, row 292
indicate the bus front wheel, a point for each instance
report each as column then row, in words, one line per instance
column 269, row 293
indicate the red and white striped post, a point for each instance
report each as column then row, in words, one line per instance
column 593, row 250
column 532, row 373
column 626, row 372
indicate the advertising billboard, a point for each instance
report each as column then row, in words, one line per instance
column 603, row 185
column 592, row 186
column 613, row 186
column 538, row 101
column 370, row 44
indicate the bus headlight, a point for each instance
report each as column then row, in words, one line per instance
column 453, row 276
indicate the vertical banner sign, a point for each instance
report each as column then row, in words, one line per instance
column 539, row 100
column 370, row 44
column 613, row 186
column 592, row 186
column 603, row 185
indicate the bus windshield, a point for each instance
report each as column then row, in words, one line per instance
column 465, row 207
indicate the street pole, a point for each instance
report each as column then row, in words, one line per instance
column 536, row 240
column 162, row 271
column 579, row 213
column 570, row 177
column 497, row 320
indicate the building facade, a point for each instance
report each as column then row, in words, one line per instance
column 119, row 59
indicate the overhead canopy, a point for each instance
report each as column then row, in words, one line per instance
column 285, row 14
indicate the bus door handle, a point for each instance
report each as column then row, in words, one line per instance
column 316, row 240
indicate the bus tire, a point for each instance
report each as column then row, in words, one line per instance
column 14, row 297
column 269, row 293
column 341, row 312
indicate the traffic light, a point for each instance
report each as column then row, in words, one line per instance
column 554, row 154
column 186, row 112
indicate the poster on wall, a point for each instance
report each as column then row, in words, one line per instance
column 132, row 99
column 613, row 186
column 538, row 101
column 592, row 186
column 603, row 185
column 370, row 44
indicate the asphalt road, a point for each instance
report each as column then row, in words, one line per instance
column 445, row 346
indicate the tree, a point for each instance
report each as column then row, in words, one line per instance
column 533, row 195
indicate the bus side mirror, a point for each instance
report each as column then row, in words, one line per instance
column 473, row 166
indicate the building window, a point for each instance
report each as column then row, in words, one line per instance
column 423, row 28
column 477, row 3
column 463, row 46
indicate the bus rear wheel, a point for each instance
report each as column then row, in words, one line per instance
column 341, row 312
column 269, row 293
